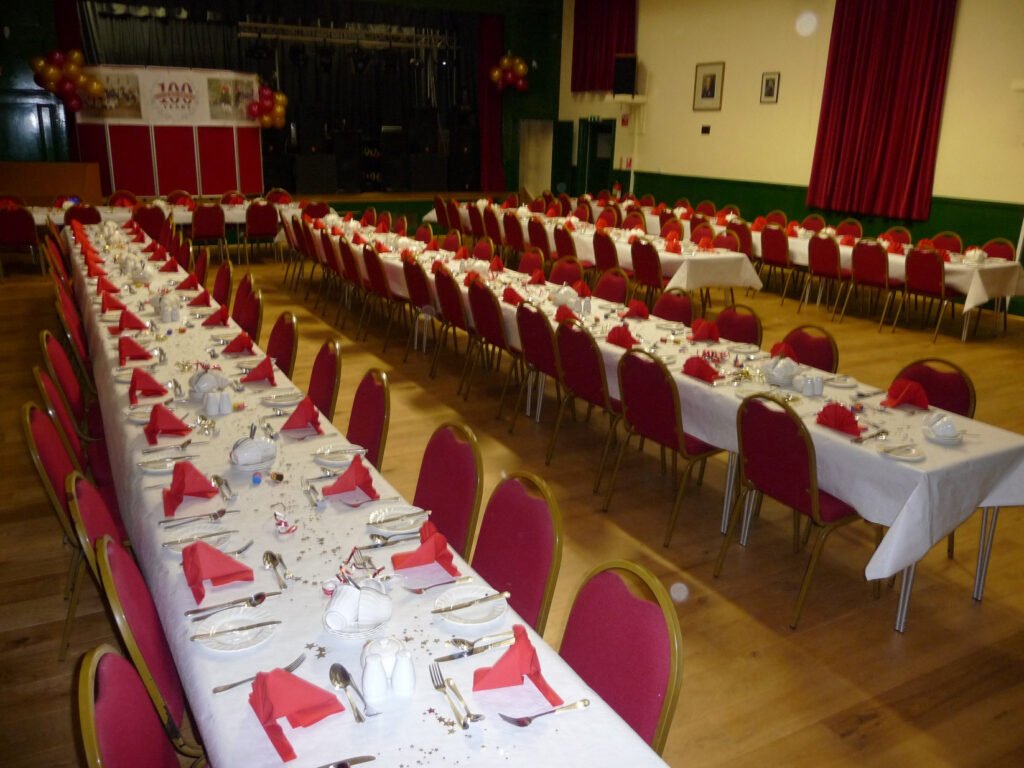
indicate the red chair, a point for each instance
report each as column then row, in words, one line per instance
column 370, row 416
column 325, row 378
column 701, row 230
column 706, row 207
column 452, row 241
column 450, row 484
column 530, row 261
column 208, row 227
column 119, row 725
column 150, row 218
column 12, row 201
column 489, row 341
column 538, row 354
column 1000, row 248
column 492, row 227
column 674, row 305
column 814, row 346
column 483, row 249
column 870, row 270
column 850, row 227
column 379, row 294
column 248, row 313
column 777, row 459
column 278, row 196
column 823, row 265
column 453, row 318
column 383, row 222
column 741, row 230
column 776, row 217
column 775, row 255
column 519, row 547
column 476, row 221
column 730, row 208
column 182, row 198
column 83, row 213
column 455, row 217
column 583, row 212
column 515, row 240
column 61, row 369
column 672, row 225
column 566, row 271
column 647, row 200
column 900, row 235
column 232, row 197
column 222, row 284
column 739, row 323
column 441, row 212
column 122, row 198
column 925, row 277
column 815, row 222
column 613, row 285
column 142, row 635
column 283, row 343
column 726, row 240
column 424, row 233
column 200, row 265
column 355, row 285
column 609, row 621
column 564, row 204
column 260, row 227
column 635, row 220
column 18, row 232
column 647, row 272
column 538, row 235
column 421, row 303
column 611, row 215
column 651, row 409
column 564, row 244
column 581, row 365
column 318, row 209
column 948, row 241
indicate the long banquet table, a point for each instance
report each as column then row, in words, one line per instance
column 412, row 731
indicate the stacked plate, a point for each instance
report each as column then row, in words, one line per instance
column 953, row 438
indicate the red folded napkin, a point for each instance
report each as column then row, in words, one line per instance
column 278, row 694
column 633, row 239
column 433, row 548
column 581, row 288
column 264, row 371
column 170, row 266
column 437, row 266
column 318, row 224
column 139, row 238
column 347, row 216
column 926, row 242
column 163, row 422
column 241, row 343
column 658, row 209
column 621, row 337
column 94, row 270
column 686, row 215
column 600, row 225
column 109, row 302
column 720, row 218
column 144, row 384
column 511, row 296
column 382, row 227
column 759, row 224
column 497, row 265
column 569, row 226
column 552, row 212
column 104, row 285
column 130, row 349
column 637, row 308
column 847, row 240
column 187, row 481
column 202, row 562
column 151, row 247
column 358, row 239
column 673, row 245
column 356, row 478
column 791, row 228
column 462, row 253
column 518, row 662
column 705, row 244
column 782, row 349
column 202, row 300
column 906, row 392
column 704, row 330
column 894, row 247
column 160, row 254
column 701, row 369
column 943, row 254
column 190, row 283
column 433, row 245
column 834, row 416
column 220, row 317
column 337, row 231
column 407, row 256
column 471, row 277
column 564, row 314
column 304, row 416
column 380, row 247
column 128, row 321
column 306, row 218
column 537, row 278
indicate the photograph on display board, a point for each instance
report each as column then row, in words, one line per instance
column 229, row 97
column 120, row 98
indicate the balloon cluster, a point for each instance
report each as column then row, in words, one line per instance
column 511, row 72
column 61, row 73
column 270, row 108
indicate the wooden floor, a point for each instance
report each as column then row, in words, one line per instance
column 844, row 689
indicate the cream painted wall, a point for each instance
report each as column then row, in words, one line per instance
column 535, row 147
column 981, row 149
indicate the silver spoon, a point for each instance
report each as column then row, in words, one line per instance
column 270, row 562
column 224, row 487
column 341, row 680
column 468, row 645
column 394, row 538
column 287, row 571
column 258, row 599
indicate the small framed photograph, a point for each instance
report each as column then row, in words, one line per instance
column 707, row 86
column 770, row 87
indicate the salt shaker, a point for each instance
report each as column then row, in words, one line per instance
column 375, row 679
column 225, row 404
column 403, row 678
column 211, row 404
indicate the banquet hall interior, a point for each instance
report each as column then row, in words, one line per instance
column 904, row 118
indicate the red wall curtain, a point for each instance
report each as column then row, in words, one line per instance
column 489, row 108
column 601, row 29
column 882, row 107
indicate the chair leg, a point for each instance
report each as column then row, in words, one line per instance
column 734, row 517
column 677, row 504
column 513, row 368
column 438, row 345
column 950, row 544
column 78, row 563
column 885, row 309
column 558, row 425
column 528, row 376
column 819, row 544
column 613, row 424
column 615, row 471
column 938, row 322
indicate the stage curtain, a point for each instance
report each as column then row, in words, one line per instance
column 489, row 106
column 881, row 108
column 601, row 29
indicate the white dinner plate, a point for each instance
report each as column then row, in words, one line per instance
column 379, row 520
column 197, row 529
column 284, row 398
column 137, row 415
column 935, row 437
column 335, row 456
column 746, row 390
column 125, row 377
column 743, row 349
column 909, row 453
column 235, row 641
column 223, row 336
column 356, row 631
column 842, row 382
column 158, row 466
column 476, row 615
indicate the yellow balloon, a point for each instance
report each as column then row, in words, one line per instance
column 81, row 82
column 71, row 71
column 50, row 73
column 266, row 121
column 505, row 62
column 495, row 74
column 75, row 57
column 278, row 111
column 281, row 98
column 37, row 63
column 279, row 122
column 95, row 88
column 520, row 68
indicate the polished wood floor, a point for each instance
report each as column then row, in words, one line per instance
column 844, row 689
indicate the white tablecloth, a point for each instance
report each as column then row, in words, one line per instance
column 233, row 214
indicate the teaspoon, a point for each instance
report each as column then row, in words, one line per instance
column 341, row 679
column 270, row 562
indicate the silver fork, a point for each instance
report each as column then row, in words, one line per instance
column 437, row 679
column 290, row 668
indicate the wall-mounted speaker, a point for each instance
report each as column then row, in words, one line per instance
column 625, row 74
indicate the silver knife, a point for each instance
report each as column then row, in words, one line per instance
column 171, row 522
column 229, row 604
column 349, row 761
column 475, row 651
column 153, row 463
column 205, row 635
column 393, row 518
column 470, row 603
column 190, row 539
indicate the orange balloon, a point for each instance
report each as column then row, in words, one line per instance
column 50, row 73
column 82, row 82
column 75, row 57
column 505, row 62
column 281, row 98
column 278, row 111
column 279, row 122
column 495, row 74
column 37, row 63
column 95, row 88
column 266, row 121
column 520, row 68
column 71, row 70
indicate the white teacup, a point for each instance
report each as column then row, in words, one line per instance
column 941, row 425
column 253, row 450
column 351, row 606
column 207, row 381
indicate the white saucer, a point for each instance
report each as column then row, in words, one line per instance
column 908, row 453
column 943, row 439
column 743, row 349
column 841, row 382
column 406, row 525
column 235, row 641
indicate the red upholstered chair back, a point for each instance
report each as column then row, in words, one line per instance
column 476, row 220
column 261, row 221
column 900, row 235
column 727, row 240
column 318, row 209
column 91, row 516
column 332, row 252
column 564, row 244
column 566, row 271
column 514, row 238
column 483, row 249
column 181, row 197
column 245, row 288
column 610, row 215
column 699, row 231
column 150, row 218
column 325, row 378
column 208, row 222
column 647, row 200
column 564, row 203
column 674, row 306
column 582, row 364
column 537, row 340
column 696, row 219
column 232, row 197
column 283, row 342
column 1000, row 248
column 706, row 207
column 635, row 220
column 947, row 385
column 583, row 212
column 417, row 286
column 383, row 222
column 925, row 273
column 120, row 728
column 948, row 241
column 814, row 346
column 672, row 224
column 349, row 264
column 11, row 201
column 454, row 216
column 519, row 547
column 849, row 227
column 278, row 196
column 451, row 483
column 487, row 315
column 683, row 202
column 512, row 201
column 650, row 400
column 371, row 413
column 741, row 229
column 775, row 246
column 452, row 241
column 17, row 228
column 530, row 261
column 609, row 622
column 814, row 222
column 52, row 460
column 84, row 213
column 537, row 205
column 57, row 407
column 539, row 236
column 141, row 633
column 870, row 264
column 492, row 227
column 823, row 256
column 62, row 371
column 424, row 233
column 776, row 217
column 248, row 313
column 646, row 264
column 449, row 297
column 613, row 285
column 375, row 274
column 605, row 255
column 441, row 212
column 739, row 323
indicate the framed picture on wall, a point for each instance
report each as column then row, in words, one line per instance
column 770, row 87
column 707, row 86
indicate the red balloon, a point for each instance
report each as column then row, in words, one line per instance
column 522, row 85
column 56, row 58
column 65, row 88
column 74, row 103
column 510, row 77
column 253, row 109
column 267, row 105
column 500, row 84
column 266, row 92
